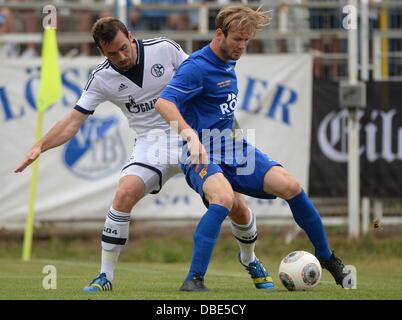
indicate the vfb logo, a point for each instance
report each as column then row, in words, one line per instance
column 97, row 150
column 230, row 105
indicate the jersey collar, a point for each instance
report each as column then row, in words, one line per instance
column 211, row 54
column 136, row 73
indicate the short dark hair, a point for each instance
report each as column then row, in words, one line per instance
column 105, row 29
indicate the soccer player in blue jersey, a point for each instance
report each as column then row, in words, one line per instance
column 199, row 102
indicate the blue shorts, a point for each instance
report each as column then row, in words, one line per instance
column 240, row 178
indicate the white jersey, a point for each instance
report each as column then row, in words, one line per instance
column 135, row 91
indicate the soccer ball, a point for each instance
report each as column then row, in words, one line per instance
column 300, row 270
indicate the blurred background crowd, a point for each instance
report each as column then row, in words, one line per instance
column 298, row 26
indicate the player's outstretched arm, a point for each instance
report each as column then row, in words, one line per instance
column 60, row 133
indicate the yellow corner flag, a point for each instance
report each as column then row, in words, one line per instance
column 50, row 79
column 49, row 92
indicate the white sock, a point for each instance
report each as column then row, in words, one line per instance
column 114, row 238
column 109, row 260
column 246, row 236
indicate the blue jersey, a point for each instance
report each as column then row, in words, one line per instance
column 205, row 91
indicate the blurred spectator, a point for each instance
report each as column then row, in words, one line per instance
column 86, row 19
column 395, row 44
column 30, row 25
column 326, row 18
column 25, row 21
column 292, row 17
column 159, row 19
column 283, row 25
column 7, row 25
column 177, row 21
column 374, row 15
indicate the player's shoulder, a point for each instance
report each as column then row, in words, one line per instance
column 97, row 73
column 104, row 65
column 161, row 42
column 191, row 68
column 199, row 56
column 101, row 68
column 196, row 60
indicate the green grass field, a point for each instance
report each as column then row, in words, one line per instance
column 376, row 280
column 153, row 267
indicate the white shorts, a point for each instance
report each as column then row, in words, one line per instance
column 153, row 161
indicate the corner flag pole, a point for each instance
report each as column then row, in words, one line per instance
column 29, row 223
column 49, row 92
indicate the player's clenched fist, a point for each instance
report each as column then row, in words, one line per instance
column 198, row 155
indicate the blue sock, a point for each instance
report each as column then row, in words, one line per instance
column 205, row 236
column 308, row 218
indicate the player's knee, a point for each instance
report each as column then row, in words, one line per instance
column 293, row 188
column 223, row 198
column 127, row 196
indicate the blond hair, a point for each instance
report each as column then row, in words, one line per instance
column 242, row 18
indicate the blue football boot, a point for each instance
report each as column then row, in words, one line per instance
column 101, row 283
column 260, row 276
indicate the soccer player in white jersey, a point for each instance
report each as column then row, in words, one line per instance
column 132, row 77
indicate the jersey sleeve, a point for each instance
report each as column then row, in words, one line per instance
column 91, row 96
column 176, row 53
column 179, row 57
column 185, row 84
